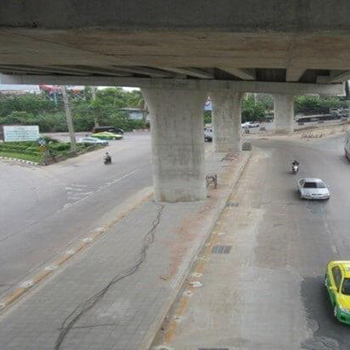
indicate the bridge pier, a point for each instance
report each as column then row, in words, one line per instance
column 284, row 113
column 226, row 121
column 177, row 143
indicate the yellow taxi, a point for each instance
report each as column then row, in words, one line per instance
column 338, row 286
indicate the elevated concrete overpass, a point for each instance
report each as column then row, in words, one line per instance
column 178, row 52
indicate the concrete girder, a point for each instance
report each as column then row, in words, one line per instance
column 60, row 70
column 245, row 74
column 157, row 73
column 189, row 84
column 192, row 72
column 293, row 74
column 92, row 70
column 334, row 77
column 105, row 47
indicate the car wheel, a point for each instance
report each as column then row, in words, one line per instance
column 335, row 311
column 325, row 281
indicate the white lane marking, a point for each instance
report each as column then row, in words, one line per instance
column 27, row 284
column 117, row 180
column 88, row 194
column 335, row 250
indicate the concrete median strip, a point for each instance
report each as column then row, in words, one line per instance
column 16, row 293
column 20, row 160
column 208, row 242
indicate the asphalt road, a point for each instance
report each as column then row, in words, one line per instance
column 269, row 127
column 268, row 293
column 44, row 209
column 310, row 234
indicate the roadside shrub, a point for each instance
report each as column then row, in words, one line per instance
column 59, row 146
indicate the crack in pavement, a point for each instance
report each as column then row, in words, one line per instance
column 320, row 343
column 69, row 323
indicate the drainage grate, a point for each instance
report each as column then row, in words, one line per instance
column 232, row 204
column 247, row 146
column 221, row 249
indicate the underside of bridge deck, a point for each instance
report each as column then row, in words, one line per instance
column 231, row 40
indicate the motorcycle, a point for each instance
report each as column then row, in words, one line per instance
column 295, row 168
column 107, row 159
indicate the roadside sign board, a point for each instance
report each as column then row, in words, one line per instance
column 18, row 133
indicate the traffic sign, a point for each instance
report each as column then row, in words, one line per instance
column 42, row 142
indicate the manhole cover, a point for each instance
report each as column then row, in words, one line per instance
column 221, row 249
column 246, row 146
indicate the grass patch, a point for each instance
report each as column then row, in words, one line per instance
column 30, row 150
column 30, row 157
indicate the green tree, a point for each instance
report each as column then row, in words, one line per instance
column 252, row 111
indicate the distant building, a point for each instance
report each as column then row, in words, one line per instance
column 136, row 113
column 57, row 88
column 9, row 89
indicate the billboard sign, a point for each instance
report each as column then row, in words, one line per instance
column 18, row 133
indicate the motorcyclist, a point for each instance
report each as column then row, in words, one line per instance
column 295, row 163
column 107, row 158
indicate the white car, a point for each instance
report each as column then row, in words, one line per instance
column 93, row 140
column 250, row 125
column 311, row 188
column 253, row 125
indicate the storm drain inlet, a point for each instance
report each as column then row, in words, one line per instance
column 221, row 249
column 232, row 204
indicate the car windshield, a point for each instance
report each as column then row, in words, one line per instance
column 346, row 286
column 314, row 185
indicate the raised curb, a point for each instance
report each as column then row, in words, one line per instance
column 157, row 323
column 20, row 160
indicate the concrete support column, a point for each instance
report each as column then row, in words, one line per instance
column 177, row 129
column 226, row 115
column 284, row 114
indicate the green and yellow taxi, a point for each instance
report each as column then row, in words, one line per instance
column 338, row 286
column 106, row 135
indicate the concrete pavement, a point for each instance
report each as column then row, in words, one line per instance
column 267, row 292
column 115, row 294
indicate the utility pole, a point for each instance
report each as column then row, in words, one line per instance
column 69, row 119
column 93, row 91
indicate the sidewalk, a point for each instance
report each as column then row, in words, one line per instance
column 241, row 293
column 116, row 293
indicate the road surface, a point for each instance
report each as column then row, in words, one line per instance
column 44, row 209
column 268, row 292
